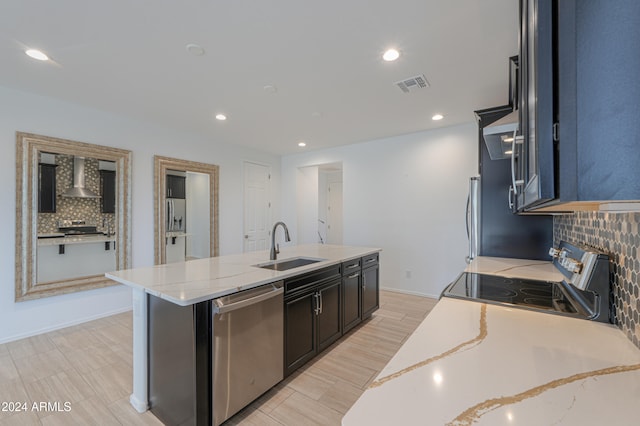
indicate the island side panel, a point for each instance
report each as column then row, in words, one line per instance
column 179, row 362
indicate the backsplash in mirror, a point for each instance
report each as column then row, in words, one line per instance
column 89, row 210
column 619, row 235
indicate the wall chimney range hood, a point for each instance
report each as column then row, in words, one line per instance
column 78, row 190
column 498, row 136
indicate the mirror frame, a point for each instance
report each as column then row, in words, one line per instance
column 28, row 145
column 161, row 166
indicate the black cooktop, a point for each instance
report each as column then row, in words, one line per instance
column 515, row 292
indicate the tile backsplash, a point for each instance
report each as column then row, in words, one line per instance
column 617, row 234
column 89, row 210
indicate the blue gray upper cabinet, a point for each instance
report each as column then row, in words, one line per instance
column 584, row 78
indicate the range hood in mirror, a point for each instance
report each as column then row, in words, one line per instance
column 498, row 136
column 78, row 190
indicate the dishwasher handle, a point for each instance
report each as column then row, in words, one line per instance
column 219, row 307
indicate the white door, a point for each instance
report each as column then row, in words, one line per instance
column 257, row 207
column 334, row 213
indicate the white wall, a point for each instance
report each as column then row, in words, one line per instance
column 406, row 195
column 25, row 112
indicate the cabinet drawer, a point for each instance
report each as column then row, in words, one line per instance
column 351, row 266
column 370, row 260
column 302, row 282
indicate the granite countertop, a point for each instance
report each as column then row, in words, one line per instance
column 186, row 283
column 475, row 363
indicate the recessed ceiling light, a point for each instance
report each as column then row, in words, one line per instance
column 221, row 117
column 36, row 54
column 270, row 88
column 302, row 144
column 437, row 117
column 195, row 49
column 391, row 55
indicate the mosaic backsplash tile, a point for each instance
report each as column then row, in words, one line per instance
column 618, row 234
column 89, row 210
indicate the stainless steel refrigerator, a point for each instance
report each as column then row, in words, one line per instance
column 176, row 215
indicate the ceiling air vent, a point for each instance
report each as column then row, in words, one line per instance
column 413, row 84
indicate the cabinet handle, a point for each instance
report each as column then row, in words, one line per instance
column 370, row 260
column 514, row 182
column 316, row 309
column 364, row 283
column 354, row 275
column 320, row 298
column 352, row 266
column 510, row 197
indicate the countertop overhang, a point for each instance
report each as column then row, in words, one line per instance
column 194, row 281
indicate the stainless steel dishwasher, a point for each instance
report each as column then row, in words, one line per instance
column 247, row 347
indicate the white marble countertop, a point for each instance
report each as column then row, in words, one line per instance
column 75, row 239
column 474, row 363
column 186, row 283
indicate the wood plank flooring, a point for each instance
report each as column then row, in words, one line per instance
column 89, row 366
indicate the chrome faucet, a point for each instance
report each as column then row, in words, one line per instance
column 275, row 248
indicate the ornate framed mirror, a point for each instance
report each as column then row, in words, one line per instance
column 73, row 213
column 185, row 210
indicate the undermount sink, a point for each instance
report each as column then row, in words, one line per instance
column 286, row 264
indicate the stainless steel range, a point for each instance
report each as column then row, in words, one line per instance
column 584, row 293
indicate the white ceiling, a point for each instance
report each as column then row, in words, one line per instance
column 324, row 57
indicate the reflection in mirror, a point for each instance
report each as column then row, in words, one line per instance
column 72, row 216
column 186, row 210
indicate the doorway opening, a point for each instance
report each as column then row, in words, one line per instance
column 319, row 203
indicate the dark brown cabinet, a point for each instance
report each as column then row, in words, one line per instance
column 370, row 285
column 329, row 316
column 351, row 308
column 312, row 315
column 46, row 188
column 300, row 331
column 321, row 306
column 108, row 190
column 176, row 186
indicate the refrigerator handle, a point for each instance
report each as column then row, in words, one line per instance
column 472, row 218
column 466, row 222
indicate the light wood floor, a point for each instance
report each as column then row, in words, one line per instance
column 89, row 366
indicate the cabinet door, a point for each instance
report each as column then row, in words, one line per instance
column 299, row 333
column 329, row 316
column 108, row 190
column 176, row 186
column 46, row 188
column 351, row 300
column 370, row 289
column 537, row 62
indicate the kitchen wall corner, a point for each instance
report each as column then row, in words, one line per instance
column 617, row 234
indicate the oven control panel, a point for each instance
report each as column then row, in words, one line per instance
column 586, row 269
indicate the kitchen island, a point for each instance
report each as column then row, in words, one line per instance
column 476, row 363
column 193, row 283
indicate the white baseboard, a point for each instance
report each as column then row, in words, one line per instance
column 63, row 325
column 413, row 293
column 138, row 405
